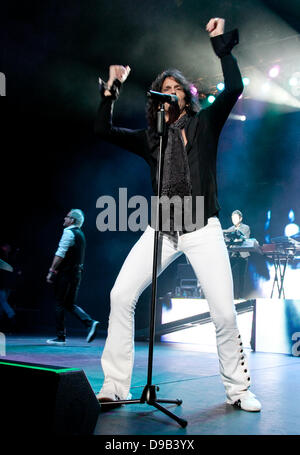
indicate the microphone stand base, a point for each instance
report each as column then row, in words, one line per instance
column 149, row 397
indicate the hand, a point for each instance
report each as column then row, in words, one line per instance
column 215, row 26
column 49, row 278
column 118, row 72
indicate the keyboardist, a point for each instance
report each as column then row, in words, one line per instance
column 238, row 260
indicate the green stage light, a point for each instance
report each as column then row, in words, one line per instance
column 211, row 99
column 54, row 369
column 293, row 81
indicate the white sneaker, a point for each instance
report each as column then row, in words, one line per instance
column 111, row 396
column 107, row 396
column 57, row 342
column 110, row 400
column 248, row 402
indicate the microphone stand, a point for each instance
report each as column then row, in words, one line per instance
column 149, row 393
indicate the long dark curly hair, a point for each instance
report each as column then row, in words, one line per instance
column 192, row 102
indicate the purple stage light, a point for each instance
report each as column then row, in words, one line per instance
column 274, row 71
column 193, row 90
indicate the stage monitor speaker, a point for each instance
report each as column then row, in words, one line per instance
column 45, row 399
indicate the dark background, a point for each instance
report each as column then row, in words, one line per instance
column 52, row 53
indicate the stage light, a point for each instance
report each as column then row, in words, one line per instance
column 241, row 118
column 292, row 228
column 220, row 86
column 241, row 96
column 274, row 71
column 293, row 81
column 193, row 90
column 246, row 81
column 291, row 215
column 211, row 99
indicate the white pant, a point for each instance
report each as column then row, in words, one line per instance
column 207, row 253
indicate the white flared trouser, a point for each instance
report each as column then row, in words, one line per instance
column 207, row 253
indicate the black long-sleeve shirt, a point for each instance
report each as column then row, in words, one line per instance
column 202, row 131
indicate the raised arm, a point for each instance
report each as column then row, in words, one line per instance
column 222, row 44
column 132, row 140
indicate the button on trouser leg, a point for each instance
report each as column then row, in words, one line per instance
column 207, row 253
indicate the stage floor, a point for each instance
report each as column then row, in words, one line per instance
column 181, row 371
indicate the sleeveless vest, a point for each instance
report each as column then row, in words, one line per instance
column 74, row 258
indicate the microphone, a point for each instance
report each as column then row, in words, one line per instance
column 163, row 97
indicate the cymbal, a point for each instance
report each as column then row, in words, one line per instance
column 5, row 266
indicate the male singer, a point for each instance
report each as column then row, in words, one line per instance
column 190, row 153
